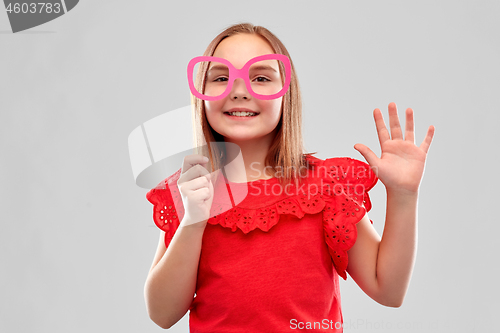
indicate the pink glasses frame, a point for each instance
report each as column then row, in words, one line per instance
column 240, row 73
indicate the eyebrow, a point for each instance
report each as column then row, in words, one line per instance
column 263, row 67
column 218, row 67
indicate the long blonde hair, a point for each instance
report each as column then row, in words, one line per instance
column 287, row 149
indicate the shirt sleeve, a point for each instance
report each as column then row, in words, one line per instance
column 348, row 182
column 168, row 210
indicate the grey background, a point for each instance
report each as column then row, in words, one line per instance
column 77, row 236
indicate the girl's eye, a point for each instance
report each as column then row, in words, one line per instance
column 220, row 79
column 261, row 79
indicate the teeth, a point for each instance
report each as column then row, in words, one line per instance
column 239, row 113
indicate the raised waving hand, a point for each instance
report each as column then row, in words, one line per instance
column 401, row 164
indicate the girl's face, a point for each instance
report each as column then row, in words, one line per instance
column 238, row 49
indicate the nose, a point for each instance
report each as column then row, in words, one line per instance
column 239, row 90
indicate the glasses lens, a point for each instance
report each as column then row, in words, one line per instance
column 266, row 78
column 216, row 78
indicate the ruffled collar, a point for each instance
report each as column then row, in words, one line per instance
column 258, row 204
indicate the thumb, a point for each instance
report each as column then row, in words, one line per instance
column 369, row 156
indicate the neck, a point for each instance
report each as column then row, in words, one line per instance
column 253, row 152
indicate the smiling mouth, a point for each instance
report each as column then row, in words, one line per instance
column 242, row 114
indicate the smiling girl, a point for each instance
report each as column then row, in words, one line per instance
column 271, row 262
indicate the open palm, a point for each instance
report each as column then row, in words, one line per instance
column 401, row 164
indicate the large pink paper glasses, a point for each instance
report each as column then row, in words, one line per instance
column 263, row 76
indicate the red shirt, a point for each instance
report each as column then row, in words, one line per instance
column 271, row 262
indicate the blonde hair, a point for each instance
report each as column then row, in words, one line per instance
column 287, row 149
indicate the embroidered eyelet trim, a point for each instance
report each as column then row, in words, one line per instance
column 356, row 178
column 340, row 216
column 166, row 214
column 312, row 205
column 339, row 224
column 264, row 218
column 243, row 219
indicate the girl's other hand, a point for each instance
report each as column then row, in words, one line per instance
column 401, row 164
column 196, row 190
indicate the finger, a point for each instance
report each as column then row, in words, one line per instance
column 196, row 185
column 202, row 194
column 192, row 160
column 196, row 171
column 428, row 139
column 396, row 133
column 383, row 133
column 196, row 182
column 367, row 153
column 410, row 126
